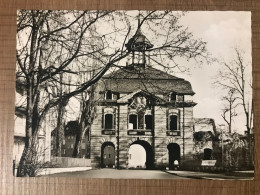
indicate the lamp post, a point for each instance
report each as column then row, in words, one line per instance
column 222, row 127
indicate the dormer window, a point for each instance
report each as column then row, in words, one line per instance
column 173, row 97
column 109, row 95
column 180, row 98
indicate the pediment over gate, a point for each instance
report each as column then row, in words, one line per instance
column 139, row 99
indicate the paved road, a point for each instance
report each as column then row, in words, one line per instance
column 116, row 174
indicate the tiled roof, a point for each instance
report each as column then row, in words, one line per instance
column 133, row 72
column 130, row 79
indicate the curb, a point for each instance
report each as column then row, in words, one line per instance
column 50, row 171
column 191, row 177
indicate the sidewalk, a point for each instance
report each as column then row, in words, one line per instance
column 238, row 175
column 49, row 171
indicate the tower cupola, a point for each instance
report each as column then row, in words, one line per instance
column 138, row 46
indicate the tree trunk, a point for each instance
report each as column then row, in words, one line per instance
column 60, row 126
column 28, row 137
column 86, row 119
column 78, row 141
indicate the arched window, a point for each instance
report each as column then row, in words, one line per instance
column 173, row 122
column 132, row 121
column 109, row 121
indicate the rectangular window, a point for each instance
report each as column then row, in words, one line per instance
column 173, row 122
column 148, row 122
column 141, row 120
column 71, row 145
column 108, row 121
column 132, row 121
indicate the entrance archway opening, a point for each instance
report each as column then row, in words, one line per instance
column 107, row 155
column 174, row 155
column 207, row 154
column 145, row 149
column 137, row 156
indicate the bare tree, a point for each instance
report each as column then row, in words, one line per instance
column 88, row 114
column 61, row 109
column 235, row 78
column 229, row 109
column 47, row 46
column 51, row 43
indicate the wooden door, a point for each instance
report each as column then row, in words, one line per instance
column 109, row 156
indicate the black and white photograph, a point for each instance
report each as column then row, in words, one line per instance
column 134, row 94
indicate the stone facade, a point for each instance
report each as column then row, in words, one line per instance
column 154, row 140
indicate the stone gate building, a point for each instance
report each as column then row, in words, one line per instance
column 139, row 104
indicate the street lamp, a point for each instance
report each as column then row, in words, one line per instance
column 222, row 127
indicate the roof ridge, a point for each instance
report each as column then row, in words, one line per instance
column 127, row 69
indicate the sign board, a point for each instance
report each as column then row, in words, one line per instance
column 209, row 163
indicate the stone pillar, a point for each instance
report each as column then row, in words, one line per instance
column 188, row 133
column 122, row 155
column 160, row 145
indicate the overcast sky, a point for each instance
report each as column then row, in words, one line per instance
column 222, row 31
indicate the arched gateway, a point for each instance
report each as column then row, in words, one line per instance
column 174, row 154
column 149, row 163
